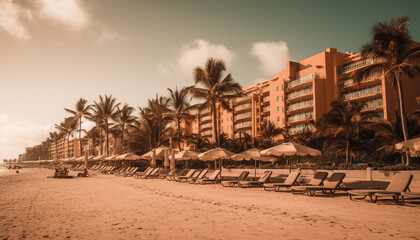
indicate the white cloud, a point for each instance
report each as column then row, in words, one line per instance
column 16, row 135
column 67, row 12
column 272, row 56
column 107, row 35
column 10, row 19
column 195, row 54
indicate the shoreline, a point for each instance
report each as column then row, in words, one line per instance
column 110, row 207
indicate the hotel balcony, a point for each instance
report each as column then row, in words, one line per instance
column 243, row 125
column 205, row 126
column 244, row 99
column 205, row 112
column 207, row 133
column 363, row 94
column 354, row 65
column 347, row 84
column 299, row 95
column 243, row 108
column 265, row 90
column 205, row 119
column 300, row 117
column 302, row 106
column 300, row 83
column 243, row 117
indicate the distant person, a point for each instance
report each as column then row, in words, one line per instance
column 83, row 174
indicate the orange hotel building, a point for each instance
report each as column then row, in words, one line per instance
column 303, row 91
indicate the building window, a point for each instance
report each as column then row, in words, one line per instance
column 278, row 98
column 278, row 119
column 278, row 88
column 278, row 109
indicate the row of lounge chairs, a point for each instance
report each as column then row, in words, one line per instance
column 397, row 189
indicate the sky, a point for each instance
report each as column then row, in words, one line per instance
column 54, row 52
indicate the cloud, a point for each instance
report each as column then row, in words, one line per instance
column 272, row 56
column 16, row 135
column 107, row 35
column 11, row 15
column 74, row 15
column 67, row 12
column 195, row 54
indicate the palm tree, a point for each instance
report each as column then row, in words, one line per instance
column 107, row 109
column 394, row 56
column 81, row 110
column 97, row 118
column 54, row 137
column 344, row 122
column 179, row 110
column 157, row 111
column 123, row 119
column 67, row 127
column 217, row 90
column 269, row 131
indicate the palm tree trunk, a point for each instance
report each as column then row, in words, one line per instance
column 80, row 136
column 347, row 151
column 179, row 134
column 68, row 145
column 214, row 119
column 107, row 137
column 122, row 140
column 402, row 115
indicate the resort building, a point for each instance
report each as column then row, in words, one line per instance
column 302, row 92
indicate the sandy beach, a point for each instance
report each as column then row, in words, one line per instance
column 110, row 207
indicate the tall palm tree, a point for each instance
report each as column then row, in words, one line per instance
column 179, row 108
column 123, row 119
column 394, row 55
column 157, row 111
column 107, row 109
column 67, row 127
column 217, row 90
column 54, row 137
column 81, row 110
column 345, row 121
column 97, row 118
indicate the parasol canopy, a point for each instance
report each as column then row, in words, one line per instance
column 291, row 149
column 253, row 154
column 411, row 146
column 128, row 156
column 187, row 155
column 215, row 154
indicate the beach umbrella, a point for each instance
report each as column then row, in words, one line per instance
column 81, row 158
column 101, row 157
column 153, row 162
column 166, row 157
column 187, row 155
column 172, row 159
column 159, row 153
column 291, row 149
column 216, row 154
column 112, row 157
column 128, row 156
column 253, row 154
column 411, row 146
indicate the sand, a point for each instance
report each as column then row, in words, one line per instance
column 110, row 207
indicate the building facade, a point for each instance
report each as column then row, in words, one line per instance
column 302, row 93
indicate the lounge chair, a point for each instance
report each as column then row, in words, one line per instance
column 398, row 184
column 195, row 175
column 168, row 174
column 153, row 174
column 263, row 179
column 145, row 173
column 242, row 177
column 131, row 172
column 409, row 195
column 188, row 175
column 182, row 172
column 202, row 175
column 330, row 186
column 212, row 179
column 289, row 182
column 316, row 180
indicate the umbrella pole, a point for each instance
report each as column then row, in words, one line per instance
column 290, row 164
column 255, row 168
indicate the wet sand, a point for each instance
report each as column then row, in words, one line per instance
column 110, row 207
